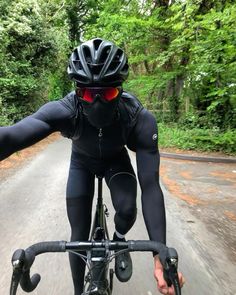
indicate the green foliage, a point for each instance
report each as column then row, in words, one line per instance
column 5, row 114
column 32, row 47
column 197, row 139
column 144, row 87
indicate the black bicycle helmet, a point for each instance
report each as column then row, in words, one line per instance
column 98, row 62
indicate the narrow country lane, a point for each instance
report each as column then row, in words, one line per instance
column 32, row 209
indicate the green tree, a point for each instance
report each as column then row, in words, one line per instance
column 181, row 54
column 31, row 49
column 212, row 68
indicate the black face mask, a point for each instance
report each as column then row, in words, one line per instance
column 99, row 113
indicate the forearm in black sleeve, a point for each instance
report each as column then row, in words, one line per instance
column 148, row 161
column 51, row 117
column 21, row 135
column 152, row 197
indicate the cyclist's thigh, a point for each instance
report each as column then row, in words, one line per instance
column 79, row 195
column 121, row 180
column 80, row 182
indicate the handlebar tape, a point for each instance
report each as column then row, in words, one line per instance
column 151, row 246
column 29, row 284
column 43, row 247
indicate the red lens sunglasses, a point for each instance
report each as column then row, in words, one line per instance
column 89, row 93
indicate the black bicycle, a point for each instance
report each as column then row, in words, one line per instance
column 100, row 252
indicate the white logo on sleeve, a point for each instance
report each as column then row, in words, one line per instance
column 154, row 137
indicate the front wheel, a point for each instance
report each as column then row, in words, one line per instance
column 111, row 275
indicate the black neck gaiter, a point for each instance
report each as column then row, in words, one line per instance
column 99, row 113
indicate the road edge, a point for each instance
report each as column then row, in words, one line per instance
column 198, row 158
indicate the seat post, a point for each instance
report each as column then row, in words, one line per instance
column 100, row 200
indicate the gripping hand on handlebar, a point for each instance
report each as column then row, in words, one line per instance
column 159, row 276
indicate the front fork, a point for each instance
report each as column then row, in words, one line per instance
column 97, row 278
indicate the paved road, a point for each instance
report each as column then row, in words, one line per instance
column 32, row 208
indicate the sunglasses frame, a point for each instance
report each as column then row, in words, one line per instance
column 79, row 92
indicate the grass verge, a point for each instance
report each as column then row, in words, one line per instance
column 207, row 140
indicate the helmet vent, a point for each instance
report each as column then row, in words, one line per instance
column 118, row 55
column 113, row 66
column 96, row 69
column 87, row 55
column 78, row 65
column 125, row 68
column 104, row 54
column 97, row 43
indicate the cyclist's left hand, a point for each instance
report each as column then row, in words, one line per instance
column 161, row 283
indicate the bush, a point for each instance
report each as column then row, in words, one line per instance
column 197, row 139
column 5, row 114
column 33, row 57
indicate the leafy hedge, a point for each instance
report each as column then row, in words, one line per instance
column 33, row 47
column 197, row 139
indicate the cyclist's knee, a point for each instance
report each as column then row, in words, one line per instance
column 128, row 213
column 125, row 220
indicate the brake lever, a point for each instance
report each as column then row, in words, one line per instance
column 18, row 259
column 170, row 265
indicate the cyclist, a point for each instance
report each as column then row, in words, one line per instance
column 101, row 119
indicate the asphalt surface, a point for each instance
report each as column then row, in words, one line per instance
column 201, row 224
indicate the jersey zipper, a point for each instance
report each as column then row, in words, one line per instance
column 100, row 134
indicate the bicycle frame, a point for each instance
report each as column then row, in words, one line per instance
column 99, row 228
column 98, row 260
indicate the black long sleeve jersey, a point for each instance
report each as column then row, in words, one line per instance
column 134, row 127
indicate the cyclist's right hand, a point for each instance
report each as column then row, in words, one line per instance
column 159, row 276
